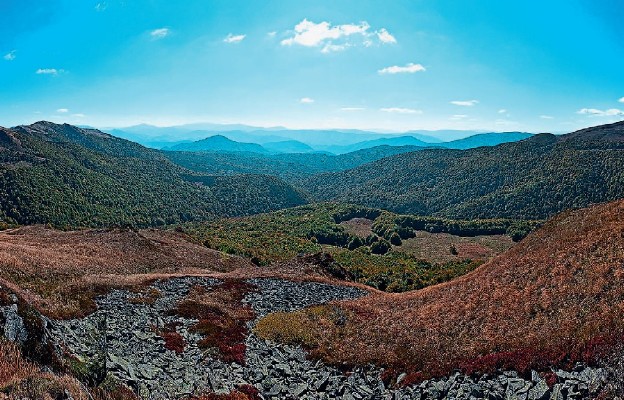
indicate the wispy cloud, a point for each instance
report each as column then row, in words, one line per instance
column 458, row 117
column 328, row 48
column 547, row 117
column 272, row 34
column 349, row 109
column 400, row 110
column 407, row 69
column 306, row 100
column 612, row 112
column 10, row 56
column 385, row 37
column 335, row 37
column 99, row 7
column 502, row 111
column 465, row 103
column 49, row 71
column 62, row 110
column 160, row 33
column 621, row 100
column 79, row 115
column 234, row 38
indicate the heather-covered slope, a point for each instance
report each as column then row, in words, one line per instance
column 555, row 298
column 62, row 271
column 67, row 176
column 530, row 179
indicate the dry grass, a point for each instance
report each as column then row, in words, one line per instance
column 20, row 379
column 555, row 298
column 361, row 227
column 61, row 272
column 435, row 247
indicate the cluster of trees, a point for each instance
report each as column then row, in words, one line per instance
column 396, row 227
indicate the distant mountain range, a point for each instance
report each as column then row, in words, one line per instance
column 223, row 143
column 335, row 141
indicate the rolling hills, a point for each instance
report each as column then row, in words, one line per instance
column 68, row 176
column 530, row 179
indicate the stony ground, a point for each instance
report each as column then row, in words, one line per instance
column 122, row 334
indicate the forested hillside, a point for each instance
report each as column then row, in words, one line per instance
column 289, row 166
column 67, row 176
column 531, row 179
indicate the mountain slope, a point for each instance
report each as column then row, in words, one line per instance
column 531, row 179
column 288, row 146
column 218, row 143
column 67, row 176
column 554, row 299
column 395, row 141
column 486, row 139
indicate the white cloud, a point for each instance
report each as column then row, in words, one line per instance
column 160, row 33
column 272, row 34
column 48, row 71
column 399, row 110
column 621, row 100
column 335, row 37
column 79, row 115
column 306, row 100
column 546, row 117
column 502, row 111
column 328, row 48
column 458, row 117
column 99, row 7
column 10, row 56
column 234, row 38
column 465, row 103
column 62, row 110
column 385, row 37
column 408, row 69
column 352, row 109
column 612, row 112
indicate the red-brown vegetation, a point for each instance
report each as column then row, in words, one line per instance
column 243, row 392
column 222, row 317
column 173, row 340
column 555, row 298
column 61, row 272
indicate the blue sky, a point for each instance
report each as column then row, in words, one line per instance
column 553, row 65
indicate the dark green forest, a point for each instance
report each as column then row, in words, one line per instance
column 71, row 177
